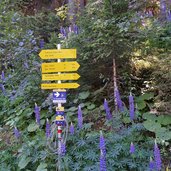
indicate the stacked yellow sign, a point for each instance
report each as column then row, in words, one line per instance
column 54, row 67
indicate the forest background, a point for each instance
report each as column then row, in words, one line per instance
column 137, row 34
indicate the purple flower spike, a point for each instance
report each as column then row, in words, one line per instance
column 131, row 107
column 37, row 114
column 63, row 148
column 42, row 43
column 118, row 100
column 26, row 65
column 157, row 157
column 80, row 117
column 151, row 164
column 2, row 87
column 71, row 129
column 107, row 109
column 132, row 148
column 75, row 29
column 169, row 15
column 70, row 29
column 61, row 30
column 48, row 131
column 2, row 76
column 16, row 133
column 163, row 6
column 102, row 162
column 102, row 144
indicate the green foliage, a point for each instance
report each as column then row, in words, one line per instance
column 103, row 35
column 160, row 125
column 107, row 31
column 83, row 147
column 141, row 101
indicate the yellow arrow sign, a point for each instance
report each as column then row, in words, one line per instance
column 59, row 67
column 58, row 53
column 60, row 85
column 68, row 76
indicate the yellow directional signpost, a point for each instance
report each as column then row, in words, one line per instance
column 59, row 92
column 59, row 67
column 59, row 85
column 67, row 76
column 58, row 53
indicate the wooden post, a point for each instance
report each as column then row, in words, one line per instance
column 114, row 84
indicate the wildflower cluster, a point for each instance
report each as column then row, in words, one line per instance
column 102, row 153
column 131, row 106
column 37, row 114
column 118, row 100
column 65, row 31
column 107, row 109
column 80, row 117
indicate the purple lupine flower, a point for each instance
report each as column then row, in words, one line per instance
column 26, row 65
column 151, row 164
column 61, row 30
column 37, row 114
column 102, row 162
column 33, row 42
column 169, row 15
column 75, row 29
column 131, row 107
column 71, row 129
column 41, row 43
column 48, row 131
column 65, row 33
column 3, row 89
column 118, row 100
column 150, row 13
column 2, row 76
column 16, row 132
column 107, row 109
column 30, row 32
column 132, row 148
column 63, row 148
column 21, row 44
column 163, row 6
column 80, row 117
column 102, row 144
column 157, row 157
column 69, row 29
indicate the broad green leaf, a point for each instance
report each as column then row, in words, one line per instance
column 141, row 105
column 73, row 109
column 164, row 119
column 90, row 107
column 85, row 112
column 152, row 125
column 87, row 103
column 146, row 96
column 28, row 112
column 75, row 100
column 82, row 105
column 69, row 113
column 42, row 167
column 24, row 162
column 101, row 107
column 32, row 127
column 150, row 116
column 126, row 120
column 42, row 121
column 164, row 135
column 84, row 95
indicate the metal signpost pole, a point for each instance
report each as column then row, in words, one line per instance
column 59, row 127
